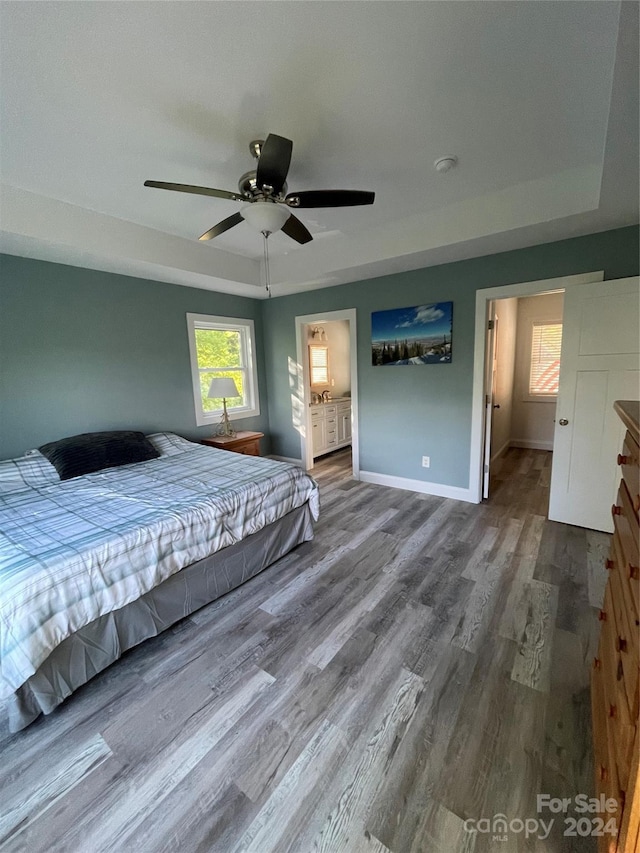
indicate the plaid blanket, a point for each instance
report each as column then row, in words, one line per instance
column 73, row 550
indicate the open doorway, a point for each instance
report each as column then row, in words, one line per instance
column 326, row 355
column 522, row 380
column 482, row 445
column 599, row 366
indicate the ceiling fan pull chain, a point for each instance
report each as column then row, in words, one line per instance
column 267, row 274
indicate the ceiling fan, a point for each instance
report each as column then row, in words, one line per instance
column 264, row 191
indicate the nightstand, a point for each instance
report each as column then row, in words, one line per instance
column 242, row 442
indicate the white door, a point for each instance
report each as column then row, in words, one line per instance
column 489, row 393
column 600, row 364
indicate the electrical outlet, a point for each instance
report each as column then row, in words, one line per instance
column 426, row 461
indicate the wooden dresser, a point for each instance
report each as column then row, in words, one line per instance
column 245, row 442
column 614, row 683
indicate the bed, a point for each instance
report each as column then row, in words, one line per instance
column 93, row 564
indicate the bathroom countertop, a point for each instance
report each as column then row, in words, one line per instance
column 332, row 400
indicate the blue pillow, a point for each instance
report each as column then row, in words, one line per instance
column 93, row 451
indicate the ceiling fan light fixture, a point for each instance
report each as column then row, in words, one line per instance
column 264, row 216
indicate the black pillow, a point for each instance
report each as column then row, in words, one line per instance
column 93, row 451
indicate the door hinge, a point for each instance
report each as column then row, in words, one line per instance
column 490, row 325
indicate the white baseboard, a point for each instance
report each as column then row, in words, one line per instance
column 531, row 444
column 421, row 486
column 288, row 459
column 502, row 450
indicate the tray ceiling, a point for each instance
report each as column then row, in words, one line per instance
column 538, row 100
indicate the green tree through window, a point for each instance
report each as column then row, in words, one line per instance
column 219, row 354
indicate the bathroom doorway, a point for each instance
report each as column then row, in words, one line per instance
column 327, row 389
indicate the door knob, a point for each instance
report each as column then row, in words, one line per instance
column 496, row 405
column 563, row 421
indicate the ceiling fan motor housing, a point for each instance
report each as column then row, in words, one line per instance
column 248, row 186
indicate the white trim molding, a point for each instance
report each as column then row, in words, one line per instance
column 483, row 297
column 500, row 452
column 531, row 444
column 288, row 459
column 422, row 486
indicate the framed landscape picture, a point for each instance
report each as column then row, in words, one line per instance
column 418, row 335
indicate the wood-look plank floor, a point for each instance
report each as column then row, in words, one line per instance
column 422, row 663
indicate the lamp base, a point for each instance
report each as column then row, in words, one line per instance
column 224, row 427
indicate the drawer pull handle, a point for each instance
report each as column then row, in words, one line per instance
column 613, row 712
column 609, row 564
column 621, row 644
column 596, row 663
column 602, row 615
column 604, row 774
column 633, row 572
column 616, row 510
column 622, row 460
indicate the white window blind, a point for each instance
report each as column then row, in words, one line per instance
column 319, row 365
column 546, row 345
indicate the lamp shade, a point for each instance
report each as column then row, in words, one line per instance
column 265, row 215
column 223, row 386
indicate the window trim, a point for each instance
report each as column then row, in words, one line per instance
column 528, row 396
column 246, row 328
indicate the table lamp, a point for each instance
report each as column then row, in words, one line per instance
column 223, row 386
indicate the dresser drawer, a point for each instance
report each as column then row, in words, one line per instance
column 629, row 461
column 629, row 826
column 625, row 525
column 620, row 725
column 628, row 629
column 606, row 773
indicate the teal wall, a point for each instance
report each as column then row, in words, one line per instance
column 82, row 350
column 408, row 412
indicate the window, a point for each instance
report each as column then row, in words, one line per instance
column 319, row 365
column 223, row 346
column 544, row 373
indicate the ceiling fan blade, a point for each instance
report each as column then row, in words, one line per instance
column 221, row 227
column 330, row 198
column 189, row 188
column 273, row 163
column 296, row 230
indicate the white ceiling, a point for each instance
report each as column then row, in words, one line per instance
column 538, row 100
